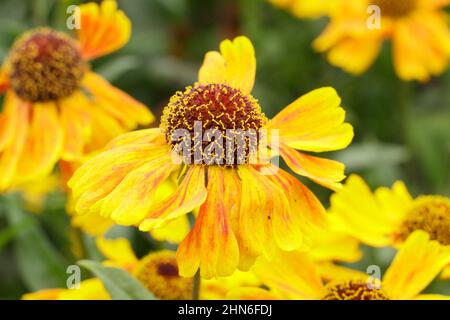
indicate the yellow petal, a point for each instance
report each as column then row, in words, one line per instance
column 151, row 136
column 293, row 275
column 314, row 122
column 265, row 220
column 355, row 211
column 103, row 29
column 118, row 252
column 235, row 65
column 44, row 143
column 91, row 289
column 251, row 294
column 95, row 179
column 117, row 103
column 421, row 46
column 45, row 294
column 174, row 231
column 325, row 172
column 76, row 126
column 211, row 245
column 8, row 119
column 328, row 245
column 416, row 264
column 133, row 197
column 190, row 194
column 330, row 271
column 9, row 157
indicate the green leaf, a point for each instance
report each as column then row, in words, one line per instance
column 119, row 283
column 40, row 265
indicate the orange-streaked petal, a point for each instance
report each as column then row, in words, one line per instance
column 211, row 245
column 43, row 146
column 103, row 29
column 264, row 218
column 76, row 126
column 416, row 264
column 117, row 103
column 133, row 197
column 235, row 65
column 190, row 194
column 45, row 294
column 325, row 172
column 10, row 156
column 101, row 174
column 355, row 211
column 4, row 80
column 293, row 275
column 151, row 136
column 248, row 293
column 314, row 122
column 8, row 119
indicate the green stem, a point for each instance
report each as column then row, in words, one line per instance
column 196, row 288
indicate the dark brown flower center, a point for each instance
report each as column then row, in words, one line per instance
column 45, row 65
column 395, row 8
column 353, row 290
column 213, row 122
column 430, row 214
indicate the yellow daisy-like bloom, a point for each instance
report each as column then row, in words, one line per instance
column 388, row 216
column 243, row 211
column 418, row 30
column 293, row 275
column 157, row 271
column 55, row 107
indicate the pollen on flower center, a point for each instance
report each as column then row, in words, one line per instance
column 352, row 290
column 430, row 214
column 395, row 8
column 219, row 120
column 45, row 65
column 158, row 272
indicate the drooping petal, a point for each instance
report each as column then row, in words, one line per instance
column 43, row 146
column 355, row 211
column 190, row 194
column 211, row 245
column 293, row 275
column 325, row 172
column 314, row 122
column 146, row 136
column 9, row 157
column 103, row 29
column 101, row 174
column 133, row 197
column 416, row 264
column 4, row 79
column 76, row 125
column 264, row 218
column 118, row 252
column 117, row 103
column 235, row 65
column 8, row 119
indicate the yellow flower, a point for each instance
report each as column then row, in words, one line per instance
column 243, row 210
column 157, row 271
column 46, row 114
column 294, row 275
column 388, row 216
column 307, row 8
column 418, row 30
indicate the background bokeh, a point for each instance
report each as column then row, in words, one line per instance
column 402, row 130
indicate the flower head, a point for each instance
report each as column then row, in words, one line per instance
column 388, row 216
column 294, row 275
column 55, row 106
column 418, row 30
column 214, row 139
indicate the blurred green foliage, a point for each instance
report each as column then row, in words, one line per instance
column 402, row 130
